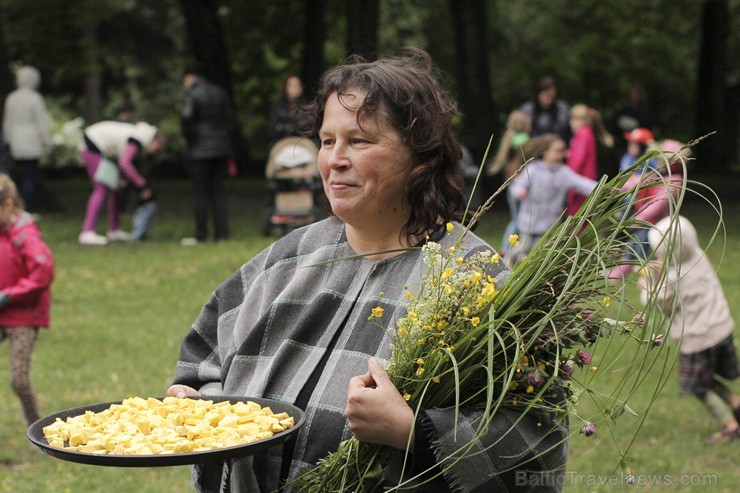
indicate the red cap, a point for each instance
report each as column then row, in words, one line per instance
column 640, row 134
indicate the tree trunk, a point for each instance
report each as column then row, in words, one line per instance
column 93, row 80
column 313, row 49
column 6, row 77
column 362, row 28
column 206, row 40
column 712, row 110
column 470, row 24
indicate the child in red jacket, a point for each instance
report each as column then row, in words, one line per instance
column 26, row 272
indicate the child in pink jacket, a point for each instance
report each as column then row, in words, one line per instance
column 586, row 125
column 26, row 273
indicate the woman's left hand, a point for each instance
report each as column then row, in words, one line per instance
column 376, row 411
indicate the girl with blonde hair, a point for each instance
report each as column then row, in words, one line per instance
column 26, row 272
column 587, row 127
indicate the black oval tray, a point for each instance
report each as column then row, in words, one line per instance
column 36, row 435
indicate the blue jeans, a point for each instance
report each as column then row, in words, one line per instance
column 142, row 219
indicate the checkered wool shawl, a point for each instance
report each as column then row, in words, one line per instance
column 266, row 328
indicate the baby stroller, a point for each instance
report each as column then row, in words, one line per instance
column 293, row 185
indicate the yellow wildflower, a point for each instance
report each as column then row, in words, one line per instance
column 452, row 250
column 420, row 371
column 420, row 361
column 477, row 276
column 410, row 295
column 402, row 331
column 530, row 389
column 377, row 311
column 495, row 258
column 466, row 311
column 488, row 291
column 475, row 321
column 447, row 273
column 406, row 397
column 450, row 227
column 514, row 240
column 422, row 342
column 594, row 369
column 607, row 301
column 459, row 260
column 447, row 288
column 435, row 379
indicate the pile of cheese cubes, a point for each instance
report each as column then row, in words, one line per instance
column 172, row 425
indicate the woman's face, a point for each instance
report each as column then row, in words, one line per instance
column 293, row 88
column 364, row 170
column 546, row 97
column 555, row 153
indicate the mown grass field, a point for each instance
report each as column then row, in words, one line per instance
column 120, row 312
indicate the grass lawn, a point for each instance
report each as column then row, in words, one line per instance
column 120, row 312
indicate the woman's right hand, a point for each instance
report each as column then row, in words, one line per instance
column 181, row 391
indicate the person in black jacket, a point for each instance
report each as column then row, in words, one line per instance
column 207, row 125
column 284, row 114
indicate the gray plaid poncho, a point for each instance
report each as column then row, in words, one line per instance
column 266, row 328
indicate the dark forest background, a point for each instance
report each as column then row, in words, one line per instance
column 94, row 55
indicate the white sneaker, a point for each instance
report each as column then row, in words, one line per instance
column 118, row 235
column 92, row 238
column 189, row 241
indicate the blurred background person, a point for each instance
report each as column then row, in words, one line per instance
column 587, row 127
column 207, row 124
column 693, row 300
column 548, row 113
column 509, row 159
column 27, row 130
column 634, row 113
column 284, row 113
column 542, row 189
column 117, row 144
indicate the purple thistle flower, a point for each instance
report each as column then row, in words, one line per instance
column 583, row 358
column 589, row 335
column 566, row 371
column 589, row 429
column 535, row 378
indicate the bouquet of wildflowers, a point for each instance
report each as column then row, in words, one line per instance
column 530, row 341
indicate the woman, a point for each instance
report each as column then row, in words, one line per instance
column 27, row 129
column 120, row 142
column 285, row 112
column 548, row 113
column 292, row 324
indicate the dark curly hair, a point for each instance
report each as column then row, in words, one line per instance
column 407, row 93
